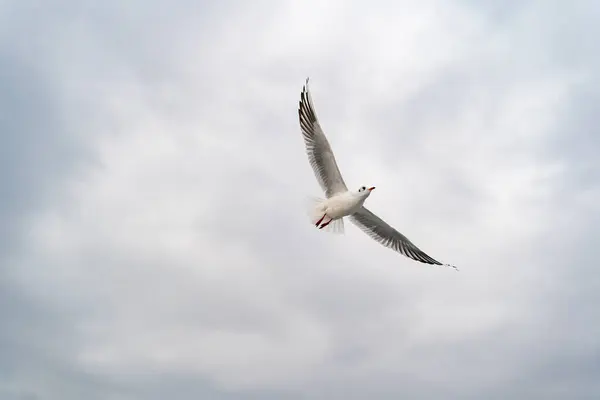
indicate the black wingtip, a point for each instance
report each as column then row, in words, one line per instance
column 305, row 87
column 451, row 266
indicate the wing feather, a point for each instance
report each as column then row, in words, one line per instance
column 320, row 155
column 389, row 237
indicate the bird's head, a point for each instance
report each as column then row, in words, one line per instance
column 365, row 191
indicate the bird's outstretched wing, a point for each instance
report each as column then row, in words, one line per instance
column 318, row 149
column 383, row 233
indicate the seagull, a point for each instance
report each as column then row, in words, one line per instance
column 341, row 202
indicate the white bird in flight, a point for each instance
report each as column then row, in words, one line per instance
column 341, row 202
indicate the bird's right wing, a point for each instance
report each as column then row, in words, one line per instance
column 318, row 149
column 383, row 233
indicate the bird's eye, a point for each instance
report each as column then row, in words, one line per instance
column 362, row 188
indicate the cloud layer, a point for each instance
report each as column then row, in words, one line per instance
column 155, row 243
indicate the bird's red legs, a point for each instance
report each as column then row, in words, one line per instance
column 321, row 220
column 326, row 223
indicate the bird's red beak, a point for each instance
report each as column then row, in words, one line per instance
column 371, row 188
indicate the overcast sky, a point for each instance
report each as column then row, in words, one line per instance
column 154, row 242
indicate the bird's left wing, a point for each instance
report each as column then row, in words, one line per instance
column 383, row 233
column 318, row 149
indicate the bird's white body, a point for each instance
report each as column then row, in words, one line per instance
column 342, row 204
column 333, row 209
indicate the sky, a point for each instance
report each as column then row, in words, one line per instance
column 155, row 241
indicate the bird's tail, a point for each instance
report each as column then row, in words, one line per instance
column 315, row 207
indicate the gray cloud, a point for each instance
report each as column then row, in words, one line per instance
column 34, row 145
column 155, row 242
